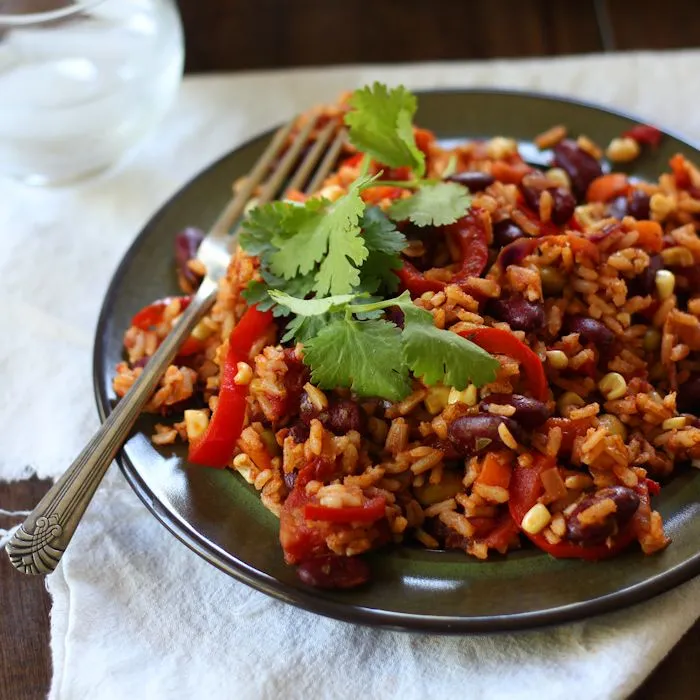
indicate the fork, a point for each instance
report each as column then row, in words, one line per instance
column 38, row 544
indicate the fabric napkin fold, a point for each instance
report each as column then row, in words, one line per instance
column 136, row 614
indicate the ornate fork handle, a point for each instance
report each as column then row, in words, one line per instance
column 39, row 543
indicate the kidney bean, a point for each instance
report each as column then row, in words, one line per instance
column 520, row 314
column 645, row 282
column 688, row 397
column 627, row 502
column 638, row 205
column 186, row 245
column 505, row 232
column 475, row 180
column 334, row 572
column 529, row 413
column 472, row 434
column 590, row 331
column 299, row 432
column 581, row 167
column 563, row 207
column 341, row 415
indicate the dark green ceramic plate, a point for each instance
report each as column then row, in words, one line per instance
column 220, row 517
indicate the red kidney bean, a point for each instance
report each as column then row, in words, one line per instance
column 688, row 397
column 299, row 432
column 187, row 243
column 590, row 331
column 475, row 180
column 334, row 572
column 581, row 167
column 473, row 434
column 529, row 413
column 520, row 314
column 638, row 205
column 505, row 232
column 341, row 415
column 627, row 502
column 645, row 282
column 563, row 207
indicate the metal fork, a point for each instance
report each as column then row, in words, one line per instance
column 39, row 543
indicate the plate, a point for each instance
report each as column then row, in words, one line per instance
column 219, row 516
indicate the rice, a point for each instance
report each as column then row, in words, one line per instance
column 406, row 459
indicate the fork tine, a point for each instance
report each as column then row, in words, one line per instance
column 271, row 187
column 312, row 157
column 236, row 206
column 328, row 162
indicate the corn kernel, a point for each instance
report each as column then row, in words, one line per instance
column 501, row 147
column 244, row 375
column 559, row 177
column 661, row 205
column 578, row 482
column 202, row 331
column 196, row 423
column 436, row 399
column 652, row 340
column 552, row 280
column 557, row 359
column 665, row 283
column 536, row 519
column 674, row 423
column 622, row 150
column 467, row 396
column 613, row 425
column 569, row 400
column 613, row 386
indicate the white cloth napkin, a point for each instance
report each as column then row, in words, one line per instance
column 136, row 614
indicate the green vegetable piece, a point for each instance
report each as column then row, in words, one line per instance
column 433, row 205
column 362, row 355
column 380, row 123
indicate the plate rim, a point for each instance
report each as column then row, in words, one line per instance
column 373, row 617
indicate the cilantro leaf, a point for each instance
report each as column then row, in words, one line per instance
column 380, row 124
column 384, row 243
column 362, row 355
column 303, row 328
column 260, row 226
column 257, row 293
column 433, row 205
column 310, row 307
column 380, row 233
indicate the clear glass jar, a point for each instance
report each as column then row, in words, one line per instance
column 81, row 83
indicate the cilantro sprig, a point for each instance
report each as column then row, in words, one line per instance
column 328, row 266
column 373, row 357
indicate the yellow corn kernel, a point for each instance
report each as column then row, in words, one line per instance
column 665, row 283
column 536, row 519
column 613, row 425
column 467, row 396
column 557, row 359
column 613, row 386
column 677, row 255
column 569, row 400
column 196, row 423
column 622, row 150
column 559, row 177
column 436, row 399
column 674, row 423
column 202, row 331
column 552, row 279
column 244, row 375
column 652, row 340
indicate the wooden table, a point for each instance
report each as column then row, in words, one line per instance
column 25, row 664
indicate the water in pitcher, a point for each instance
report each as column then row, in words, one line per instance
column 77, row 93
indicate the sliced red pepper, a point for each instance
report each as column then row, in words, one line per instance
column 470, row 234
column 215, row 448
column 368, row 512
column 680, row 172
column 644, row 133
column 496, row 533
column 152, row 315
column 653, row 487
column 497, row 340
column 526, row 487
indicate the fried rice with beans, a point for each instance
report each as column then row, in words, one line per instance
column 596, row 274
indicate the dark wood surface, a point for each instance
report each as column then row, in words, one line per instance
column 249, row 34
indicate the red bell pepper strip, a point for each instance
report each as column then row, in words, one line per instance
column 152, row 315
column 680, row 171
column 497, row 340
column 216, row 446
column 644, row 133
column 526, row 487
column 368, row 512
column 470, row 235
